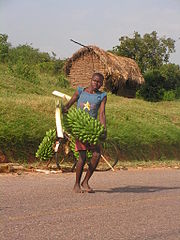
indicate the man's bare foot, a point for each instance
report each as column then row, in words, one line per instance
column 77, row 189
column 87, row 188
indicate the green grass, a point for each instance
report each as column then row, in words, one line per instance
column 142, row 130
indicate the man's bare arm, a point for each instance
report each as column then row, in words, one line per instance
column 102, row 114
column 71, row 101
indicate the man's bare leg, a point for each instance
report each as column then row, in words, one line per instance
column 92, row 166
column 79, row 171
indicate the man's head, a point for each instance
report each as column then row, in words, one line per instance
column 97, row 81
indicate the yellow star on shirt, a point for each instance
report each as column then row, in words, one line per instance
column 87, row 106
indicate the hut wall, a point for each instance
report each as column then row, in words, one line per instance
column 83, row 68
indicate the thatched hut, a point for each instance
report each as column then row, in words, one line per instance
column 122, row 74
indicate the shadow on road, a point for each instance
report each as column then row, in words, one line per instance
column 138, row 189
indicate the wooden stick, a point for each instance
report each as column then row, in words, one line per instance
column 107, row 162
column 62, row 95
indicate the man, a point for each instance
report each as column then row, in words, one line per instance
column 91, row 100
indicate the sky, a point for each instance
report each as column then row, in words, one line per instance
column 50, row 24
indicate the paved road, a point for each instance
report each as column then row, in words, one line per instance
column 133, row 205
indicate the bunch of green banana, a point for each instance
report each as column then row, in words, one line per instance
column 45, row 150
column 72, row 146
column 82, row 126
column 89, row 154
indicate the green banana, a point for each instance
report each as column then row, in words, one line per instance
column 82, row 126
column 45, row 150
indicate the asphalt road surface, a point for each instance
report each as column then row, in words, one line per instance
column 133, row 205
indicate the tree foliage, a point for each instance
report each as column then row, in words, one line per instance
column 150, row 51
column 24, row 71
column 4, row 47
column 171, row 74
column 161, row 84
column 28, row 55
column 152, row 90
column 26, row 62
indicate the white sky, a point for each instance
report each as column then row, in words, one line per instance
column 49, row 24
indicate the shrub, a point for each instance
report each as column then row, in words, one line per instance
column 138, row 94
column 46, row 67
column 62, row 81
column 58, row 66
column 169, row 95
column 52, row 67
column 4, row 48
column 162, row 84
column 25, row 72
column 171, row 75
column 153, row 89
column 177, row 92
column 27, row 55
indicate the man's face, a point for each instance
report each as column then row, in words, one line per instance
column 96, row 82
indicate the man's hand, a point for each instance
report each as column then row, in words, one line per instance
column 71, row 102
column 64, row 109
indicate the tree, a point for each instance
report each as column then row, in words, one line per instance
column 150, row 51
column 171, row 74
column 28, row 55
column 161, row 84
column 4, row 47
column 153, row 89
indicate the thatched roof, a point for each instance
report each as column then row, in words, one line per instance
column 119, row 68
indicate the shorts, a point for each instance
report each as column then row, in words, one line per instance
column 79, row 146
